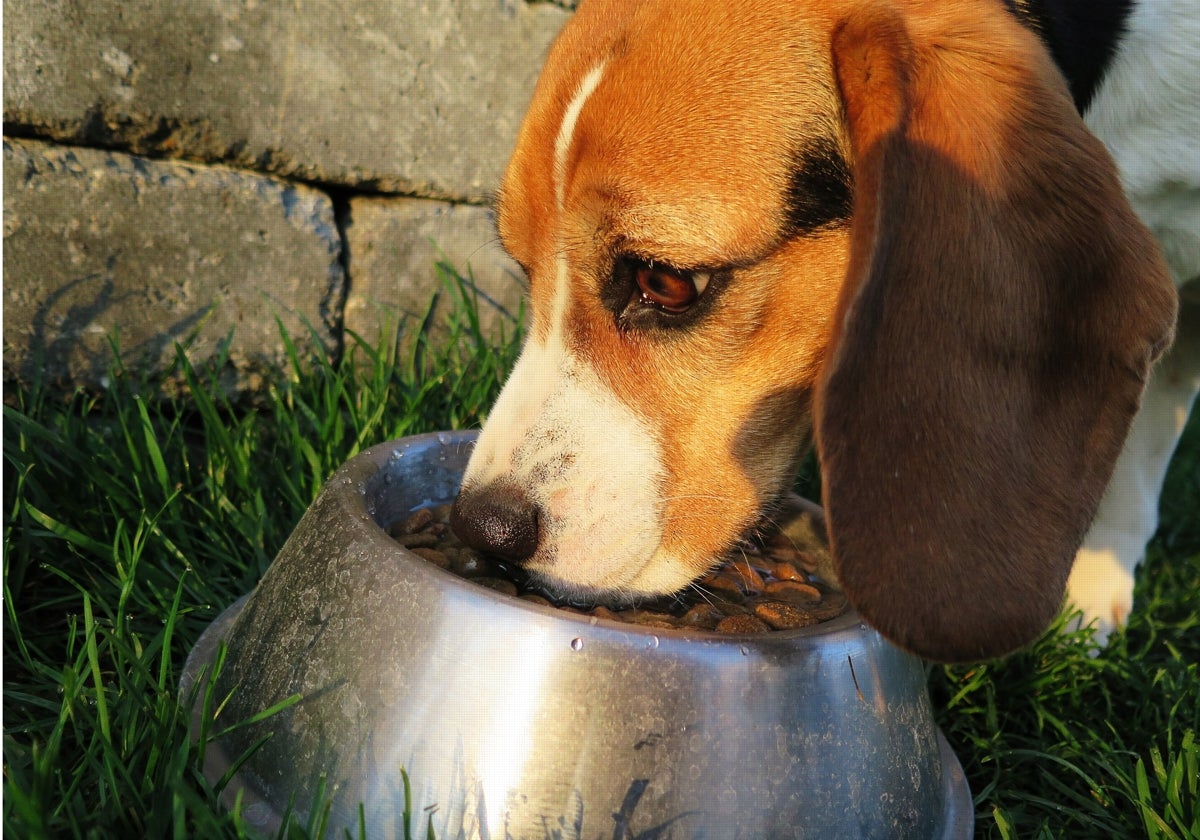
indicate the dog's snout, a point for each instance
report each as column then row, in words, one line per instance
column 497, row 519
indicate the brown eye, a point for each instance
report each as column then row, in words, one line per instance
column 667, row 288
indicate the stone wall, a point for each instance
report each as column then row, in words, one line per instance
column 192, row 172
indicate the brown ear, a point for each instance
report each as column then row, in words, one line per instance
column 1001, row 313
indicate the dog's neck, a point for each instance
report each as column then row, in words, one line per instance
column 1082, row 36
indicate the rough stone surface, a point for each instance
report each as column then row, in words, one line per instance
column 395, row 246
column 421, row 97
column 100, row 243
column 389, row 123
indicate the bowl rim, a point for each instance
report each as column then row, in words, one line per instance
column 368, row 463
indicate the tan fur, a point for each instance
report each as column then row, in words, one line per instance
column 968, row 414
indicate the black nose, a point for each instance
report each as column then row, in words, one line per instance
column 497, row 519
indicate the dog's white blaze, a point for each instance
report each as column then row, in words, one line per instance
column 590, row 464
column 537, row 371
column 566, row 131
column 562, row 148
column 558, row 309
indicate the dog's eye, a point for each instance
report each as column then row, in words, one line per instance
column 667, row 288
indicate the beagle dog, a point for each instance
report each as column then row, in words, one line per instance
column 879, row 227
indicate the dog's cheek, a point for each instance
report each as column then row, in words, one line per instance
column 710, row 499
column 725, row 475
column 749, row 425
column 705, row 515
column 727, row 403
column 773, row 439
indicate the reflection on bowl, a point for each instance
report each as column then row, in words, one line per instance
column 513, row 719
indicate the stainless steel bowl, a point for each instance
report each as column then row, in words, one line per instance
column 517, row 720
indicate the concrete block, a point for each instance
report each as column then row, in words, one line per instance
column 420, row 97
column 100, row 244
column 395, row 246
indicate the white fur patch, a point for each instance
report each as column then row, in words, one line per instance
column 1101, row 587
column 1147, row 113
column 589, row 463
column 586, row 460
column 566, row 131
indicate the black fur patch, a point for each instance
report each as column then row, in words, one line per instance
column 1082, row 36
column 819, row 193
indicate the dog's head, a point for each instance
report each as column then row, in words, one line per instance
column 746, row 225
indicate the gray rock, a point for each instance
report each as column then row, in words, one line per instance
column 421, row 97
column 100, row 244
column 403, row 252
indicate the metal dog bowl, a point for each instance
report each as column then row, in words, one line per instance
column 514, row 720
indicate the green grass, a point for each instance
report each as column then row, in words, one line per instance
column 132, row 522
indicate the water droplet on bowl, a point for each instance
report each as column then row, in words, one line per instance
column 443, row 438
column 652, row 643
column 577, row 644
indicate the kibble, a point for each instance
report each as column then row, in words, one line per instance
column 782, row 570
column 422, row 540
column 744, row 623
column 745, row 576
column 432, row 555
column 702, row 617
column 421, row 519
column 793, row 590
column 782, row 615
column 770, row 585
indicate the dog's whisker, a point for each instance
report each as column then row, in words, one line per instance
column 702, row 593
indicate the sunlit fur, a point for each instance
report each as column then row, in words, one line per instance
column 668, row 131
column 712, row 464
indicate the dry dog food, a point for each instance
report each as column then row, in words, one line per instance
column 771, row 585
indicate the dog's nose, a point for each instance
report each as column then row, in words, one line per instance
column 497, row 519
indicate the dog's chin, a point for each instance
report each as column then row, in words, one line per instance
column 567, row 594
column 658, row 579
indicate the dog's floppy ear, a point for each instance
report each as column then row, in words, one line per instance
column 1001, row 312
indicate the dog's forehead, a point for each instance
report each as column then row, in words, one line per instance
column 673, row 128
